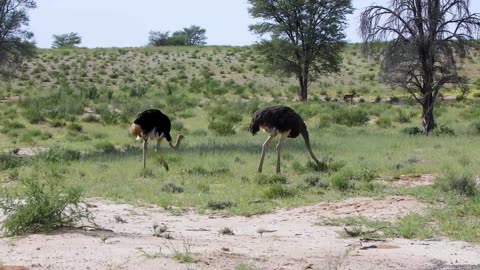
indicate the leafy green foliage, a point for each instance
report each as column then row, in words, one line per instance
column 263, row 179
column 221, row 205
column 172, row 188
column 278, row 191
column 45, row 205
column 458, row 182
column 68, row 40
column 9, row 161
column 302, row 38
column 16, row 42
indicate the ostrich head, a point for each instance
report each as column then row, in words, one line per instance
column 254, row 127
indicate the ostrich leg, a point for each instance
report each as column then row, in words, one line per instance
column 279, row 148
column 145, row 141
column 264, row 149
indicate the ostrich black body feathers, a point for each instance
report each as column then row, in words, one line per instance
column 282, row 118
column 154, row 120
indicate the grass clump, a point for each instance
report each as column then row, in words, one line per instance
column 262, row 179
column 171, row 188
column 45, row 204
column 460, row 183
column 412, row 131
column 221, row 205
column 9, row 161
column 316, row 181
column 59, row 154
column 278, row 192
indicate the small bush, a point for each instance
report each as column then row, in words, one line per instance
column 384, row 122
column 74, row 127
column 343, row 180
column 278, row 191
column 476, row 127
column 221, row 205
column 45, row 206
column 221, row 128
column 172, row 188
column 444, row 130
column 460, row 183
column 59, row 154
column 9, row 161
column 263, row 179
column 316, row 181
column 350, row 117
column 105, row 146
column 402, row 117
column 198, row 170
column 412, row 131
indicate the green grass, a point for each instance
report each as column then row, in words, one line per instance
column 210, row 94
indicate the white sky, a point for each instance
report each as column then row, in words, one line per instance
column 121, row 23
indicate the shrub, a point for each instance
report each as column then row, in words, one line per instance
column 412, row 131
column 105, row 146
column 263, row 179
column 343, row 180
column 350, row 117
column 278, row 191
column 221, row 128
column 476, row 127
column 33, row 116
column 384, row 122
column 461, row 183
column 74, row 127
column 172, row 188
column 59, row 154
column 443, row 130
column 9, row 161
column 316, row 181
column 45, row 206
column 221, row 205
column 402, row 117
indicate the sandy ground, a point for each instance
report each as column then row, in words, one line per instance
column 290, row 239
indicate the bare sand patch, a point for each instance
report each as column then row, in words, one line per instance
column 290, row 240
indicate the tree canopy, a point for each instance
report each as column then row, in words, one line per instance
column 424, row 39
column 16, row 42
column 306, row 36
column 188, row 36
column 68, row 40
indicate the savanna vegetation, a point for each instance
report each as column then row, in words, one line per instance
column 75, row 105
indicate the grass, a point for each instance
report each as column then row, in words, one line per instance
column 210, row 95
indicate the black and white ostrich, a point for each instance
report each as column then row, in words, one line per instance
column 283, row 121
column 153, row 124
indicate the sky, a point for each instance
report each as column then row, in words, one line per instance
column 122, row 23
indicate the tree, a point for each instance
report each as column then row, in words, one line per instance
column 69, row 40
column 194, row 35
column 16, row 42
column 158, row 38
column 425, row 37
column 306, row 36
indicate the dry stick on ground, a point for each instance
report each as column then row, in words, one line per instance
column 355, row 234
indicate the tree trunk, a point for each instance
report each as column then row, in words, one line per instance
column 303, row 92
column 428, row 119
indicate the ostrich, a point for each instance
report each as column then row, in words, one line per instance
column 156, row 125
column 283, row 121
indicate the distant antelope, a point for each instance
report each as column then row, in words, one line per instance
column 349, row 97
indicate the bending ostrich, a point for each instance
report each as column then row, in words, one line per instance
column 156, row 125
column 281, row 120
